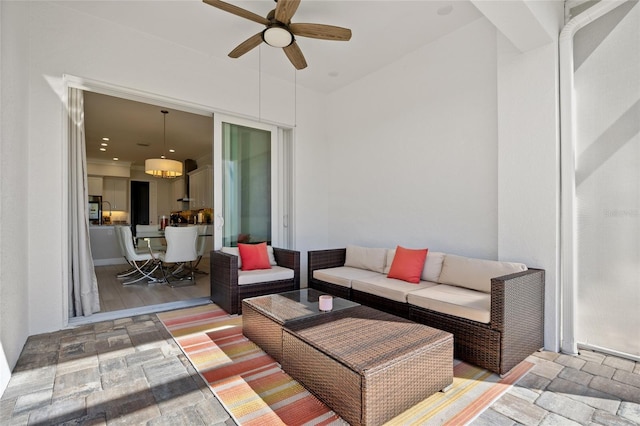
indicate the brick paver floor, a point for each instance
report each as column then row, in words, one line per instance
column 130, row 371
column 588, row 389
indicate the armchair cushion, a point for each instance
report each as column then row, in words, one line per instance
column 275, row 273
column 236, row 252
column 254, row 256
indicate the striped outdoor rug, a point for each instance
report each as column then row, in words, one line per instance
column 255, row 390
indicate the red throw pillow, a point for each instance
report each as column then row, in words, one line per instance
column 254, row 256
column 407, row 264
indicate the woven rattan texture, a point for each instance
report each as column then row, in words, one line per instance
column 323, row 259
column 225, row 291
column 517, row 315
column 368, row 365
column 381, row 303
column 280, row 309
column 262, row 331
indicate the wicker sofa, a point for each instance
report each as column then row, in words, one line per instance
column 495, row 310
column 229, row 284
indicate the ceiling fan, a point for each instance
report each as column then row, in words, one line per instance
column 280, row 32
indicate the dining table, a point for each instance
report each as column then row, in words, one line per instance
column 159, row 235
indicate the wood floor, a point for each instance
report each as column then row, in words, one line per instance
column 114, row 296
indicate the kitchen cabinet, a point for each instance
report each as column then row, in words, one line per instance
column 177, row 191
column 115, row 191
column 201, row 188
column 94, row 185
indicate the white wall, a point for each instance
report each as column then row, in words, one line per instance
column 528, row 160
column 413, row 150
column 416, row 154
column 14, row 226
column 455, row 148
column 64, row 41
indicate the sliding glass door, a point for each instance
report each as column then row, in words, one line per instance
column 245, row 182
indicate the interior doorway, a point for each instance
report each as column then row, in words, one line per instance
column 107, row 110
column 139, row 203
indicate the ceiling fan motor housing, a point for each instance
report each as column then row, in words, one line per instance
column 277, row 35
column 279, row 31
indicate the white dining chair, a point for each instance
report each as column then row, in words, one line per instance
column 144, row 262
column 201, row 246
column 181, row 249
column 156, row 243
column 117, row 229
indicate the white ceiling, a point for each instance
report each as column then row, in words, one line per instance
column 383, row 32
column 136, row 131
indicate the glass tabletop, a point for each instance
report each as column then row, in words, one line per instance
column 293, row 305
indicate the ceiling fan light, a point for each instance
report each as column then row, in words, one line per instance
column 277, row 37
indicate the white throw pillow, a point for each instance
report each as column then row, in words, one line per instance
column 272, row 257
column 372, row 259
column 475, row 274
column 433, row 266
column 234, row 251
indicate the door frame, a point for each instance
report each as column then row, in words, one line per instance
column 101, row 87
column 218, row 176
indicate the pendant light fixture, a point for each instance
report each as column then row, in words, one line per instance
column 163, row 167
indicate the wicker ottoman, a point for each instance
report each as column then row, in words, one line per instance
column 263, row 317
column 367, row 365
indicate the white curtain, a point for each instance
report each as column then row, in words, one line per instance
column 83, row 284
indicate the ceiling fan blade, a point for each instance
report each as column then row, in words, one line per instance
column 321, row 31
column 243, row 13
column 295, row 55
column 285, row 10
column 246, row 45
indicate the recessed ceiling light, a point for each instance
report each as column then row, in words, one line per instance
column 115, row 158
column 172, row 150
column 103, row 149
column 105, row 139
column 104, row 144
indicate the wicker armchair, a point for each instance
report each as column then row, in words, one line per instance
column 225, row 291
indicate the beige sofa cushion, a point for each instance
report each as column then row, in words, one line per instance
column 342, row 275
column 475, row 274
column 432, row 266
column 276, row 273
column 372, row 259
column 460, row 302
column 389, row 288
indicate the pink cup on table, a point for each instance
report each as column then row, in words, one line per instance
column 325, row 303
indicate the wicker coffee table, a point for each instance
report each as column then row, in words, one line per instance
column 263, row 317
column 367, row 365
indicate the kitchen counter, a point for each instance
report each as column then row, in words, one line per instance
column 104, row 246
